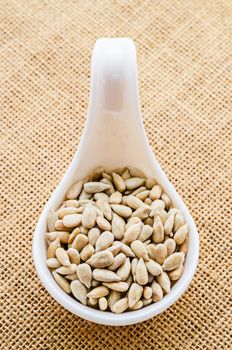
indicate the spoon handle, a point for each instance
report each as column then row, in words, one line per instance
column 114, row 132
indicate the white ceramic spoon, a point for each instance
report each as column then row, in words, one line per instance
column 113, row 137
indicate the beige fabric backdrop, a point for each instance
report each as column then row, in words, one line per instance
column 185, row 70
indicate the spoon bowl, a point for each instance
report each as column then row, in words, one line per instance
column 113, row 137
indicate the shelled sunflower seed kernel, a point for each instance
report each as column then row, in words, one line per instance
column 116, row 243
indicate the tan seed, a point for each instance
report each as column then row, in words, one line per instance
column 105, row 208
column 102, row 196
column 87, row 252
column 115, row 198
column 118, row 261
column 74, row 256
column 74, row 190
column 101, row 259
column 160, row 253
column 115, row 248
column 59, row 226
column 51, row 252
column 119, row 182
column 71, row 277
column 103, row 304
column 147, row 292
column 157, row 292
column 151, row 251
column 147, row 301
column 158, row 204
column 73, row 234
column 120, row 305
column 104, row 275
column 96, row 174
column 103, row 224
column 92, row 301
column 62, row 256
column 79, row 291
column 126, row 175
column 84, row 273
column 144, row 195
column 107, row 176
column 72, row 220
column 173, row 261
column 153, row 268
column 168, row 225
column 89, row 217
column 113, row 297
column 134, row 294
column 137, row 191
column 63, row 236
column 174, row 275
column 162, row 214
column 150, row 183
column 111, row 187
column 137, row 306
column 121, row 210
column 67, row 211
column 181, row 234
column 94, row 187
column 166, row 200
column 135, row 172
column 66, row 270
column 179, row 221
column 184, row 246
column 53, row 263
column 158, row 231
column 134, row 182
column 118, row 226
column 95, row 283
column 62, row 282
column 141, row 273
column 142, row 213
column 134, row 202
column 148, row 201
column 93, row 235
column 148, row 221
column 80, row 242
column 145, row 233
column 133, row 268
column 71, row 203
column 104, row 241
column 98, row 292
column 132, row 232
column 155, row 192
column 124, row 270
column 84, row 196
column 164, row 282
column 170, row 245
column 51, row 220
column 118, row 286
column 132, row 221
column 139, row 250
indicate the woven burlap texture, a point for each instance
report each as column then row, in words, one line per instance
column 185, row 72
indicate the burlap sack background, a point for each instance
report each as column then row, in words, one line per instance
column 185, row 70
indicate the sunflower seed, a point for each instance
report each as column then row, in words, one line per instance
column 124, row 270
column 181, row 234
column 142, row 213
column 150, row 183
column 175, row 274
column 121, row 210
column 145, row 233
column 53, row 263
column 118, row 261
column 102, row 196
column 103, row 304
column 184, row 246
column 104, row 275
column 79, row 291
column 74, row 256
column 147, row 292
column 144, row 195
column 157, row 292
column 80, row 242
column 118, row 226
column 66, row 270
column 51, row 252
column 118, row 286
column 139, row 250
column 105, row 208
column 155, row 192
column 134, row 202
column 103, row 224
column 115, row 198
column 132, row 232
column 93, row 235
column 158, row 231
column 133, row 268
column 164, row 281
column 98, row 292
column 160, row 253
column 101, row 259
column 119, row 182
column 87, row 252
column 141, row 273
column 134, row 294
column 173, row 261
column 134, row 182
column 120, row 305
column 94, row 187
column 84, row 273
column 63, row 283
column 153, row 268
column 63, row 236
column 62, row 256
column 51, row 220
column 113, row 297
column 72, row 220
column 170, row 245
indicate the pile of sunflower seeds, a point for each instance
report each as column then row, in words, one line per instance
column 116, row 243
